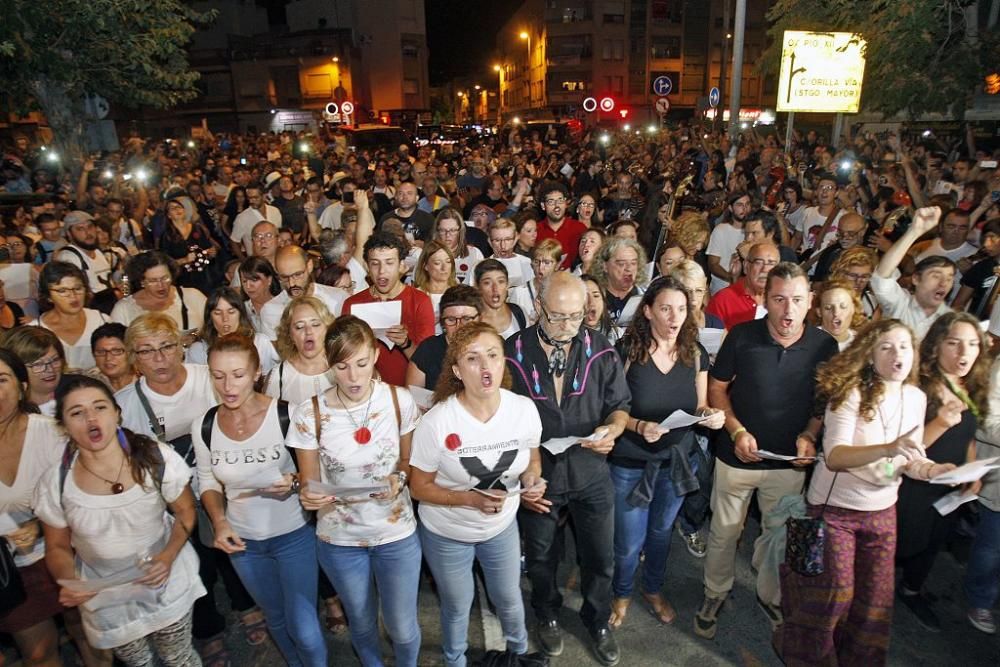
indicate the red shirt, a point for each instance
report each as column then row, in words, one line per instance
column 733, row 305
column 568, row 235
column 417, row 315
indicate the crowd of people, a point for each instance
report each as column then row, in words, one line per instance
column 316, row 378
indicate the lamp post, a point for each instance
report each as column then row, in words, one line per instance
column 499, row 71
column 525, row 35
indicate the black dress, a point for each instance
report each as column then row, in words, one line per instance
column 203, row 273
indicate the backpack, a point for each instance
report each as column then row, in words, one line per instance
column 208, row 421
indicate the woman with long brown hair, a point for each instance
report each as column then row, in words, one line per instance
column 449, row 231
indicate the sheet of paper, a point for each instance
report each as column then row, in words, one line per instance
column 515, row 275
column 629, row 310
column 970, row 472
column 760, row 313
column 19, row 281
column 117, row 595
column 557, row 446
column 764, row 454
column 7, row 524
column 126, row 576
column 680, row 419
column 422, row 397
column 345, row 493
column 380, row 315
column 951, row 502
column 566, row 170
column 711, row 339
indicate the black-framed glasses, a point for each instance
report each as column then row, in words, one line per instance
column 450, row 321
column 113, row 352
column 42, row 365
column 150, row 352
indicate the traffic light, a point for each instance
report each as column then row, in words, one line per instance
column 623, row 112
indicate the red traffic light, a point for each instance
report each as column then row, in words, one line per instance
column 623, row 113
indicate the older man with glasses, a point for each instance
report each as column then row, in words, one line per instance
column 577, row 383
column 743, row 301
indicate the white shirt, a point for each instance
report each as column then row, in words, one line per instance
column 722, row 244
column 127, row 309
column 97, row 268
column 237, row 468
column 934, row 249
column 346, row 464
column 44, row 443
column 269, row 358
column 897, row 303
column 79, row 356
column 498, row 449
column 175, row 413
column 519, row 269
column 465, row 266
column 331, row 216
column 287, row 383
column 813, row 218
column 276, row 306
column 244, row 223
column 359, row 274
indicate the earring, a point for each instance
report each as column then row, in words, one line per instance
column 122, row 440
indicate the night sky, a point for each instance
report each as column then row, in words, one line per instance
column 461, row 36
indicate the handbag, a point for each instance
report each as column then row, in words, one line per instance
column 12, row 594
column 806, row 541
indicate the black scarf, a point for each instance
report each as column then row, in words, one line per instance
column 557, row 362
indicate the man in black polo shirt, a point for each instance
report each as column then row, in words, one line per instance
column 763, row 378
column 578, row 385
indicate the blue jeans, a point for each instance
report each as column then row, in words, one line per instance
column 394, row 570
column 280, row 573
column 982, row 574
column 643, row 530
column 451, row 564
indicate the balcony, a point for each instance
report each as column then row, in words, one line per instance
column 566, row 13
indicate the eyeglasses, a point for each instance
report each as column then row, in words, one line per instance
column 761, row 263
column 843, row 233
column 43, row 365
column 559, row 318
column 503, row 240
column 554, row 201
column 297, row 276
column 450, row 321
column 856, row 277
column 448, row 232
column 16, row 244
column 66, row 291
column 165, row 280
column 113, row 352
column 826, row 188
column 150, row 352
column 263, row 236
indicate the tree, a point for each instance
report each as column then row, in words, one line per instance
column 54, row 53
column 922, row 55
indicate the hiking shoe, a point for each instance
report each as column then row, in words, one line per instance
column 773, row 613
column 921, row 608
column 694, row 542
column 706, row 621
column 550, row 638
column 982, row 620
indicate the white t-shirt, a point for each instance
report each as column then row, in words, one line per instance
column 44, row 443
column 359, row 274
column 78, row 355
column 722, row 244
column 287, row 383
column 813, row 218
column 109, row 534
column 244, row 223
column 346, row 464
column 491, row 454
column 274, row 308
column 269, row 358
column 236, row 468
column 97, row 268
column 127, row 309
column 465, row 267
column 519, row 269
column 331, row 216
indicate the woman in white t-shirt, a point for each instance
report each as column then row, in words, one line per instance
column 30, row 444
column 246, row 476
column 63, row 291
column 153, row 277
column 225, row 313
column 449, row 231
column 475, row 453
column 121, row 502
column 304, row 372
column 355, row 439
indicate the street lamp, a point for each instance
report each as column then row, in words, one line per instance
column 527, row 37
column 499, row 71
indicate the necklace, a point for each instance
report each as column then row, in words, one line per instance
column 116, row 486
column 888, row 467
column 362, row 435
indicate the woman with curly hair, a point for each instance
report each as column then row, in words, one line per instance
column 653, row 468
column 954, row 373
column 305, row 372
column 839, row 310
column 874, row 433
column 856, row 265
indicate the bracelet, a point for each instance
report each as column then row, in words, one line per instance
column 409, row 344
column 736, row 433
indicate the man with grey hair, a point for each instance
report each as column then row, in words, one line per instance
column 577, row 383
column 620, row 268
column 336, row 249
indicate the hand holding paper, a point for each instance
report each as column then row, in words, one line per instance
column 970, row 472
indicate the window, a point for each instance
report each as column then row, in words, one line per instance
column 574, row 86
column 615, row 84
column 410, row 50
column 614, row 49
column 665, row 47
column 614, row 11
column 411, row 87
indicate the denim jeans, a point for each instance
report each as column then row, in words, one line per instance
column 280, row 573
column 982, row 574
column 643, row 529
column 451, row 564
column 390, row 571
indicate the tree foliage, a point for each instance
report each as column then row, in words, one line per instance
column 922, row 55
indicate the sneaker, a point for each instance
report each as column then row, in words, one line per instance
column 773, row 613
column 706, row 621
column 694, row 542
column 921, row 608
column 982, row 620
column 550, row 638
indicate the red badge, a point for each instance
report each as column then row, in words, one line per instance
column 363, row 436
column 453, row 442
column 463, row 267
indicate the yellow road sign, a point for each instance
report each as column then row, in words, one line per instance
column 821, row 71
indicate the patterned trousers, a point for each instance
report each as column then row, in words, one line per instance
column 173, row 645
column 843, row 616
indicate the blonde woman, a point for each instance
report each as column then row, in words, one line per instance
column 304, row 373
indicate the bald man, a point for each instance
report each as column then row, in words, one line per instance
column 295, row 271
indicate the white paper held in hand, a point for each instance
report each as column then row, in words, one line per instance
column 951, row 502
column 556, row 446
column 422, row 397
column 380, row 316
column 764, row 454
column 680, row 419
column 970, row 472
column 343, row 493
column 629, row 310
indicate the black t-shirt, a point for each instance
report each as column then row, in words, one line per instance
column 771, row 387
column 980, row 278
column 293, row 215
column 428, row 357
column 419, row 223
column 477, row 237
column 616, row 305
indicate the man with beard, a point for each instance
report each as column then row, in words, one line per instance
column 81, row 250
column 620, row 268
column 417, row 223
column 296, row 273
column 850, row 233
column 577, row 383
column 555, row 199
column 725, row 238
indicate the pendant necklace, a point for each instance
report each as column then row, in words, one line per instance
column 116, row 486
column 888, row 467
column 362, row 435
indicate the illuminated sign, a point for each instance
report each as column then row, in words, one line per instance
column 821, row 71
column 992, row 86
column 589, row 104
column 607, row 104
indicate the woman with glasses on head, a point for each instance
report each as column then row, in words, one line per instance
column 113, row 367
column 460, row 305
column 545, row 260
column 226, row 314
column 153, row 277
column 305, row 371
column 42, row 352
column 259, row 282
column 449, row 231
column 63, row 292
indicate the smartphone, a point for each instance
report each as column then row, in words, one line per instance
column 995, row 195
column 348, row 197
column 243, row 160
column 988, row 164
